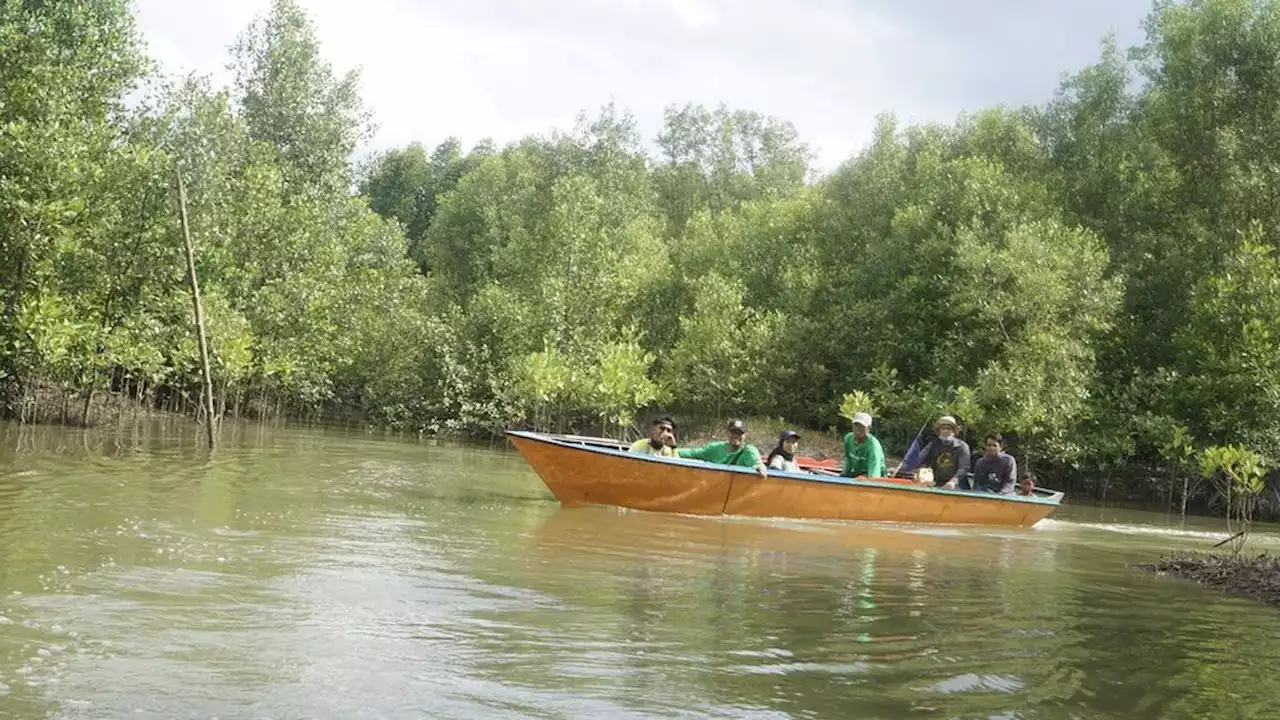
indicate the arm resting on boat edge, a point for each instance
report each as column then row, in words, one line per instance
column 692, row 453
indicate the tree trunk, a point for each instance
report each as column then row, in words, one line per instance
column 88, row 398
column 1186, row 484
column 14, row 286
column 1230, row 506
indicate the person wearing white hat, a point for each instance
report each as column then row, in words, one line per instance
column 947, row 457
column 863, row 455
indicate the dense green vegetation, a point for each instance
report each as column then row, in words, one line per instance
column 1097, row 276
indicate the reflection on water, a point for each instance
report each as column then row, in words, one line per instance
column 300, row 573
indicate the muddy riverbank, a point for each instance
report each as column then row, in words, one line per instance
column 1255, row 576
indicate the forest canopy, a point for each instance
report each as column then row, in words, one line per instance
column 1098, row 275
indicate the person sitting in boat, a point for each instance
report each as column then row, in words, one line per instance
column 863, row 454
column 661, row 440
column 735, row 451
column 1027, row 485
column 673, row 438
column 996, row 471
column 947, row 456
column 783, row 457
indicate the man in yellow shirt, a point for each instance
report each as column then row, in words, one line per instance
column 661, row 440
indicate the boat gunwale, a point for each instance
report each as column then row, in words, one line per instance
column 1054, row 500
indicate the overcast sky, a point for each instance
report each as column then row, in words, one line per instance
column 506, row 68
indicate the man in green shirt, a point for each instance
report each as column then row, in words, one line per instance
column 863, row 455
column 733, row 452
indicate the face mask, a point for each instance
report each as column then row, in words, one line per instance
column 946, row 434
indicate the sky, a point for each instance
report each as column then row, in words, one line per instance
column 503, row 69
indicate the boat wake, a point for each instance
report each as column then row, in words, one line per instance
column 1051, row 525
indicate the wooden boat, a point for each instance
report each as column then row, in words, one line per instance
column 592, row 471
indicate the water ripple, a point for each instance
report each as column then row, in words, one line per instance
column 301, row 573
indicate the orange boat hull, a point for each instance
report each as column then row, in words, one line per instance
column 578, row 474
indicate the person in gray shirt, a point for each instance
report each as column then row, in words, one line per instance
column 995, row 471
column 947, row 456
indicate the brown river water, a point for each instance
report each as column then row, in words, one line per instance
column 306, row 573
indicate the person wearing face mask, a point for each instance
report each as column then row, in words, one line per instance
column 947, row 456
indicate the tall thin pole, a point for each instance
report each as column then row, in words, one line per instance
column 199, row 308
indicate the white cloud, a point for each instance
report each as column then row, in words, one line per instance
column 506, row 68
